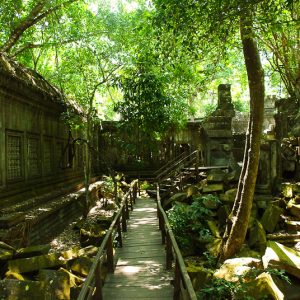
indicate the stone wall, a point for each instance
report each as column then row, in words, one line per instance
column 34, row 148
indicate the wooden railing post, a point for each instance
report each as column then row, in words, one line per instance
column 197, row 165
column 98, row 282
column 131, row 199
column 110, row 254
column 176, row 295
column 163, row 232
column 134, row 193
column 124, row 222
column 126, row 208
column 169, row 254
column 119, row 230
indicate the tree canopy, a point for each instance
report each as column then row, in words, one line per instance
column 198, row 50
column 155, row 63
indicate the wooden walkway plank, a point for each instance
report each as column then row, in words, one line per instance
column 140, row 271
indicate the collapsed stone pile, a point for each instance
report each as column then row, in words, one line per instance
column 272, row 242
column 56, row 270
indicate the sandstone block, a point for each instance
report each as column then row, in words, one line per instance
column 281, row 257
column 23, row 265
column 257, row 236
column 211, row 188
column 234, row 267
column 12, row 289
column 82, row 265
column 56, row 283
column 271, row 217
column 32, row 251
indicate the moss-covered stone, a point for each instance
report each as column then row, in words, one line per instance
column 5, row 254
column 271, row 217
column 30, row 264
column 292, row 226
column 287, row 189
column 216, row 176
column 229, row 195
column 70, row 254
column 178, row 197
column 73, row 279
column 264, row 286
column 91, row 237
column 212, row 225
column 82, row 265
column 12, row 289
column 235, row 267
column 199, row 275
column 10, row 220
column 14, row 275
column 192, row 190
column 211, row 188
column 294, row 208
column 89, row 251
column 32, row 251
column 281, row 257
column 257, row 237
column 56, row 283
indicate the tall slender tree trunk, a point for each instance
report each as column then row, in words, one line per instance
column 87, row 171
column 237, row 226
column 88, row 158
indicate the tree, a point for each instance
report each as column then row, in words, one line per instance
column 280, row 34
column 23, row 16
column 238, row 223
column 145, row 109
column 83, row 72
column 212, row 22
column 155, row 89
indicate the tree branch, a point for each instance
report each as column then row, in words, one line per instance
column 33, row 17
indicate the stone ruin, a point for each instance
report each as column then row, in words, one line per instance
column 220, row 138
column 38, row 163
column 218, row 130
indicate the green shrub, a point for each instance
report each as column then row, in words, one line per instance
column 145, row 185
column 189, row 222
column 221, row 289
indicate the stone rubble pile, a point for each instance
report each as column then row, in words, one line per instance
column 43, row 272
column 272, row 241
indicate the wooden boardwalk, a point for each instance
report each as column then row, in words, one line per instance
column 140, row 272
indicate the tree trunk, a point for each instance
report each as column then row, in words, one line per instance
column 237, row 226
column 87, row 171
column 88, row 158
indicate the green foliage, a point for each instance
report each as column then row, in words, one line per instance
column 145, row 185
column 221, row 289
column 108, row 187
column 189, row 222
column 209, row 109
column 179, row 220
column 241, row 106
column 210, row 260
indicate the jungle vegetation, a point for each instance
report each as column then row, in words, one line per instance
column 154, row 64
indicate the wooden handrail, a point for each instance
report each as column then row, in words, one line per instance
column 170, row 162
column 181, row 278
column 94, row 276
column 177, row 165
